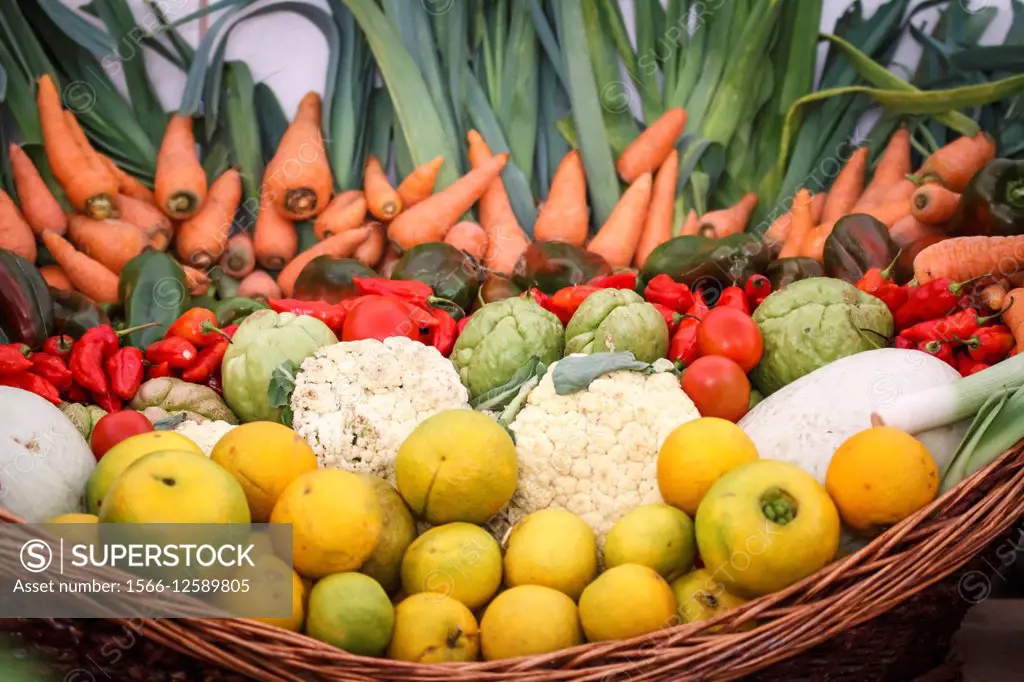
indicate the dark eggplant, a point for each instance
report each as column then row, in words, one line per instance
column 26, row 308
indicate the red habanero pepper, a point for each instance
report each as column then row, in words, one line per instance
column 59, row 345
column 207, row 363
column 108, row 401
column 544, row 301
column 757, row 289
column 159, row 370
column 125, row 371
column 569, row 299
column 734, row 297
column 175, row 351
column 76, row 394
column 442, row 336
column 958, row 326
column 53, row 369
column 699, row 308
column 616, row 280
column 879, row 284
column 990, row 344
column 13, row 360
column 33, row 384
column 672, row 318
column 683, row 349
column 937, row 298
column 461, row 325
column 198, row 326
column 942, row 350
column 903, row 342
column 414, row 291
column 331, row 314
column 92, row 350
column 664, row 290
column 967, row 365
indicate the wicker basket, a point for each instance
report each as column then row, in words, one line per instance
column 887, row 612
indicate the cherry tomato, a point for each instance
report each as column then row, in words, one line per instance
column 114, row 428
column 730, row 332
column 718, row 387
column 378, row 317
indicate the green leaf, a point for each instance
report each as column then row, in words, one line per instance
column 271, row 119
column 649, row 20
column 703, row 78
column 192, row 95
column 185, row 52
column 576, row 372
column 347, row 129
column 519, row 112
column 88, row 36
column 499, row 397
column 616, row 95
column 19, row 97
column 547, row 39
column 244, row 133
column 282, row 384
column 382, row 116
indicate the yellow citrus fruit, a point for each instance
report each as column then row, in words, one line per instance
column 553, row 548
column 700, row 596
column 75, row 518
column 126, row 453
column 352, row 612
column 627, row 601
column 273, row 589
column 433, row 628
column 336, row 521
column 264, row 457
column 654, row 535
column 458, row 465
column 398, row 530
column 174, row 486
column 459, row 560
column 879, row 477
column 696, row 455
column 529, row 620
column 764, row 526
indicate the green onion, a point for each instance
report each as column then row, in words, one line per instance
column 998, row 426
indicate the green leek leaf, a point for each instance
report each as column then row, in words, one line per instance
column 86, row 35
column 243, row 132
column 271, row 119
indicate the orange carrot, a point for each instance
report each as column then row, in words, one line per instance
column 617, row 239
column 963, row 258
column 95, row 160
column 371, row 250
column 813, row 244
column 340, row 246
column 419, row 184
column 202, row 238
column 955, row 164
column 728, row 221
column 128, row 185
column 800, row 225
column 89, row 190
column 41, row 209
column 892, row 167
column 15, row 234
column 55, row 278
column 112, row 242
column 933, row 204
column 88, row 276
column 298, row 179
column 993, row 296
column 1013, row 316
column 660, row 212
column 259, row 284
column 563, row 216
column 506, row 240
column 180, row 179
column 909, row 229
column 197, row 281
column 381, row 198
column 239, row 257
column 346, row 211
column 847, row 187
column 691, row 225
column 430, row 220
column 775, row 235
column 891, row 211
column 468, row 237
column 154, row 224
column 479, row 150
column 274, row 238
column 651, row 147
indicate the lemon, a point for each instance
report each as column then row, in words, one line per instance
column 433, row 628
column 553, row 548
column 264, row 457
column 75, row 518
column 459, row 560
column 458, row 465
column 654, row 535
column 336, row 521
column 696, row 455
column 879, row 477
column 529, row 620
column 627, row 601
column 398, row 530
column 124, row 454
column 352, row 612
column 700, row 596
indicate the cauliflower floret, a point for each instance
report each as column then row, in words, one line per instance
column 355, row 402
column 594, row 452
column 205, row 434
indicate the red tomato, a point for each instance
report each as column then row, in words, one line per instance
column 378, row 317
column 115, row 427
column 730, row 332
column 718, row 387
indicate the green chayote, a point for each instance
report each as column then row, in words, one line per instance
column 617, row 321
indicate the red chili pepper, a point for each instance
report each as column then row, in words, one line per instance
column 990, row 344
column 669, row 293
column 125, row 371
column 53, row 369
column 699, row 308
column 443, row 335
column 672, row 318
column 59, row 345
column 461, row 325
column 943, row 351
column 13, row 360
column 569, row 299
column 33, row 384
column 616, row 280
column 416, row 292
column 734, row 297
column 682, row 349
column 545, row 302
column 207, row 363
column 936, row 298
column 757, row 289
column 331, row 314
column 904, row 342
column 92, row 350
column 198, row 326
column 967, row 365
column 952, row 328
column 879, row 284
column 229, row 331
column 175, row 351
column 108, row 401
column 160, row 370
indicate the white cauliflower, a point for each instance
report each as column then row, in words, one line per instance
column 355, row 402
column 595, row 451
column 204, row 433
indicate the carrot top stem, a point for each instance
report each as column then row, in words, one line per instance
column 183, row 202
column 300, row 200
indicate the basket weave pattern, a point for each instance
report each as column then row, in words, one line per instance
column 877, row 614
